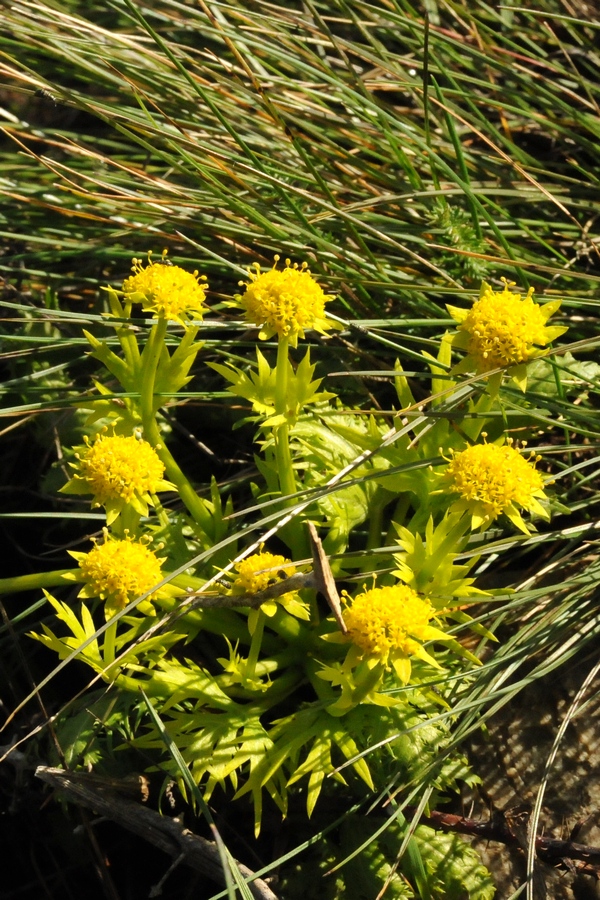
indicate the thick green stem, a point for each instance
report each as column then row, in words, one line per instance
column 285, row 471
column 474, row 426
column 378, row 503
column 250, row 667
column 162, row 516
column 150, row 360
column 366, row 681
column 293, row 534
column 127, row 522
column 39, row 580
column 193, row 502
column 399, row 515
column 223, row 622
column 322, row 688
column 128, row 341
column 375, row 527
column 281, row 687
column 292, row 630
column 281, row 377
column 109, row 646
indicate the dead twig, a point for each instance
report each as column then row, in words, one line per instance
column 320, row 579
column 500, row 827
column 168, row 834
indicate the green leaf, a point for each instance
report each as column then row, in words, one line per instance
column 455, row 868
column 427, row 564
column 576, row 376
column 259, row 387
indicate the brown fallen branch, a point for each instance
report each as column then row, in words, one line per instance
column 168, row 834
column 320, row 579
column 254, row 601
column 502, row 827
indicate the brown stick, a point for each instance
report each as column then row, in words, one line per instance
column 166, row 833
column 321, row 579
column 324, row 580
column 498, row 828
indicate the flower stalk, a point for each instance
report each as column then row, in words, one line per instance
column 38, row 581
column 281, row 433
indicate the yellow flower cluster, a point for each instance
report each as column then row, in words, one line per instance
column 119, row 571
column 285, row 302
column 167, row 291
column 501, row 329
column 117, row 467
column 492, row 480
column 260, row 571
column 387, row 624
column 118, row 471
column 257, row 572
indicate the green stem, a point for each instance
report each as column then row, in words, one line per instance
column 250, row 667
column 473, row 427
column 109, row 648
column 193, row 502
column 128, row 342
column 127, row 522
column 293, row 631
column 216, row 620
column 375, row 527
column 281, row 377
column 161, row 514
column 398, row 516
column 378, row 503
column 366, row 681
column 285, row 471
column 150, row 360
column 281, row 687
column 323, row 689
column 293, row 534
column 135, row 685
column 39, row 580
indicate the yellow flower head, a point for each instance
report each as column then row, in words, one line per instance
column 118, row 471
column 168, row 291
column 285, row 302
column 258, row 572
column 492, row 480
column 387, row 624
column 118, row 571
column 502, row 329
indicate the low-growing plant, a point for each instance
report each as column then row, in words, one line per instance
column 264, row 681
column 314, row 571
